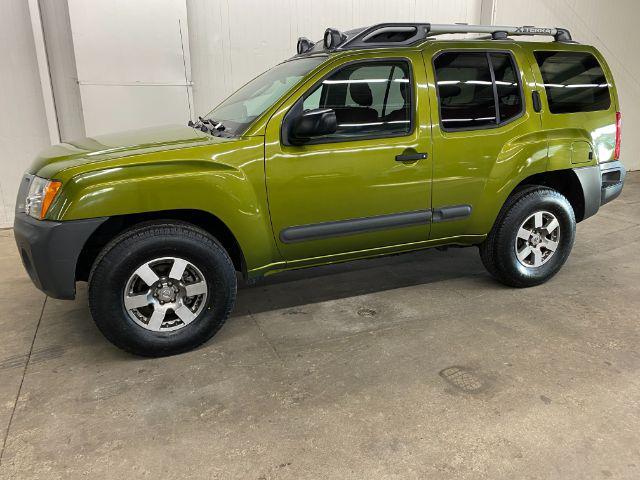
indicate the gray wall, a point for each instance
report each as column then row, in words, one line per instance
column 62, row 66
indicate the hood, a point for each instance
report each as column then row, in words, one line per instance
column 115, row 145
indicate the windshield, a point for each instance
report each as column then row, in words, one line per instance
column 238, row 111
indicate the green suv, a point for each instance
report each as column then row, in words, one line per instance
column 374, row 141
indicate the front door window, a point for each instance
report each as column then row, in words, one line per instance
column 370, row 99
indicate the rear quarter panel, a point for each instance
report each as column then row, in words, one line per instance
column 568, row 133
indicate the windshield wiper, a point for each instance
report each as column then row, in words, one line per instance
column 207, row 125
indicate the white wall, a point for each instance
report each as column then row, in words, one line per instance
column 23, row 126
column 134, row 68
column 611, row 27
column 132, row 62
column 232, row 41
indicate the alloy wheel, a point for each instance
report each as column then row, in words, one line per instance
column 537, row 239
column 165, row 294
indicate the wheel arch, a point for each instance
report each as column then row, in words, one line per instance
column 564, row 181
column 117, row 224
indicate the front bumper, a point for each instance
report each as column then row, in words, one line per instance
column 50, row 251
column 600, row 184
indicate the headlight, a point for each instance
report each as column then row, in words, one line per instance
column 41, row 194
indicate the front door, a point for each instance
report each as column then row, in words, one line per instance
column 368, row 185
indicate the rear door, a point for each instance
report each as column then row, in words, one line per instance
column 483, row 119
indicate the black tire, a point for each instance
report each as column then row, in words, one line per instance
column 498, row 251
column 122, row 256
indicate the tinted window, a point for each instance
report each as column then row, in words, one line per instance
column 465, row 90
column 507, row 86
column 574, row 82
column 368, row 98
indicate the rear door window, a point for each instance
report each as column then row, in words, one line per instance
column 507, row 86
column 574, row 82
column 477, row 89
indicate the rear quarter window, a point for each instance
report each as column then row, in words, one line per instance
column 574, row 82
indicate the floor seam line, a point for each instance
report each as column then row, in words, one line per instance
column 24, row 373
column 264, row 335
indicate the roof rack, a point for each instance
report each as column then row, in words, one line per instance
column 500, row 32
column 405, row 34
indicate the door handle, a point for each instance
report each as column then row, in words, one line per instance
column 410, row 157
column 537, row 103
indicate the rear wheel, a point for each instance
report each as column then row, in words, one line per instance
column 162, row 289
column 531, row 239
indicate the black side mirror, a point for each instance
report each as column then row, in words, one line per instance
column 313, row 123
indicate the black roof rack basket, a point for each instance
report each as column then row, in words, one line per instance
column 406, row 34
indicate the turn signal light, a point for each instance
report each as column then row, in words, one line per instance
column 40, row 197
column 49, row 195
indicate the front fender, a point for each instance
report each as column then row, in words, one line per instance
column 228, row 185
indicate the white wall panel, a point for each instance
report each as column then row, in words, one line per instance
column 23, row 125
column 121, row 40
column 232, row 41
column 123, row 50
column 166, row 105
column 609, row 26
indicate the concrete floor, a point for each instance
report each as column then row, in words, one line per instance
column 416, row 366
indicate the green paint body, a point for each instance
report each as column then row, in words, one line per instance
column 258, row 187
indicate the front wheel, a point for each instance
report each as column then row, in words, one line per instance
column 531, row 239
column 161, row 289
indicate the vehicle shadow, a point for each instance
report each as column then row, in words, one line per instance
column 360, row 277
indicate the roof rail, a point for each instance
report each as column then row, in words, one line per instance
column 500, row 32
column 405, row 34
